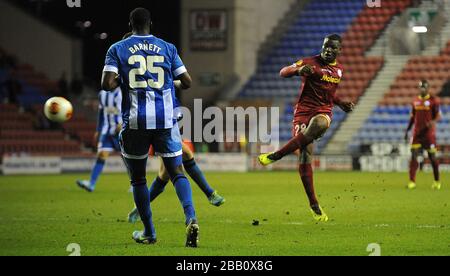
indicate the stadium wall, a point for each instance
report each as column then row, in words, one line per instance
column 249, row 23
column 21, row 165
column 378, row 161
column 38, row 44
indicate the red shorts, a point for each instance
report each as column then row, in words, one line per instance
column 301, row 121
column 427, row 142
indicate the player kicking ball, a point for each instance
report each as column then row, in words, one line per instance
column 320, row 77
column 424, row 116
column 109, row 124
column 148, row 70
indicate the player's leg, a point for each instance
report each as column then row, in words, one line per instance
column 317, row 127
column 160, row 182
column 157, row 188
column 105, row 146
column 306, row 173
column 167, row 144
column 184, row 193
column 135, row 145
column 196, row 174
column 98, row 167
column 435, row 165
column 413, row 166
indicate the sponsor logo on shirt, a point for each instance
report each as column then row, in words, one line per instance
column 331, row 79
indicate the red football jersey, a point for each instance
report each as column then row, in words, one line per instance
column 424, row 110
column 317, row 92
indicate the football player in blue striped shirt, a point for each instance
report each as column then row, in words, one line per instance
column 148, row 70
column 109, row 124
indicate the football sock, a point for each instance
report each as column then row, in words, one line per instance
column 184, row 194
column 182, row 186
column 142, row 201
column 306, row 174
column 96, row 171
column 157, row 188
column 294, row 144
column 413, row 166
column 197, row 175
column 435, row 165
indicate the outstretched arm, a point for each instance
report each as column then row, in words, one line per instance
column 289, row 71
column 297, row 70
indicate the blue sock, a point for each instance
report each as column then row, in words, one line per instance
column 142, row 201
column 184, row 193
column 182, row 186
column 157, row 188
column 96, row 171
column 197, row 175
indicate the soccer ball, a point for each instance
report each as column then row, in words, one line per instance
column 58, row 109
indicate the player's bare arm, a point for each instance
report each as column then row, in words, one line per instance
column 410, row 124
column 294, row 70
column 110, row 81
column 183, row 82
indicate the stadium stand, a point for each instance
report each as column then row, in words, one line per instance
column 23, row 128
column 359, row 25
column 389, row 120
column 17, row 135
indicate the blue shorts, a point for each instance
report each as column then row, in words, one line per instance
column 135, row 144
column 108, row 143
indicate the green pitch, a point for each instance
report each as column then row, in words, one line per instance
column 42, row 215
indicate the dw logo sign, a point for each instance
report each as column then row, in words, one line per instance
column 73, row 3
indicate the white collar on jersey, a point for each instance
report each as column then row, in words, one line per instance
column 142, row 35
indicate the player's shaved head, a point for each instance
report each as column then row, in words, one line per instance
column 334, row 37
column 140, row 19
column 423, row 87
column 424, row 84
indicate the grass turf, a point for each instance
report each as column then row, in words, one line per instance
column 41, row 215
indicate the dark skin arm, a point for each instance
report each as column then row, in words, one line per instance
column 411, row 123
column 183, row 82
column 110, row 81
column 290, row 71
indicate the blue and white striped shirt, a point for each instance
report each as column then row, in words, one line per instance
column 147, row 67
column 109, row 112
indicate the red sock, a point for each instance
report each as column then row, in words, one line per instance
column 413, row 166
column 296, row 143
column 306, row 173
column 435, row 165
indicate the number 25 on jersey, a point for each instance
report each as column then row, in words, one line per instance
column 144, row 66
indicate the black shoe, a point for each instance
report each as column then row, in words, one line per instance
column 192, row 234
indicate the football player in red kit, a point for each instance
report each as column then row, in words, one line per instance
column 424, row 116
column 320, row 77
